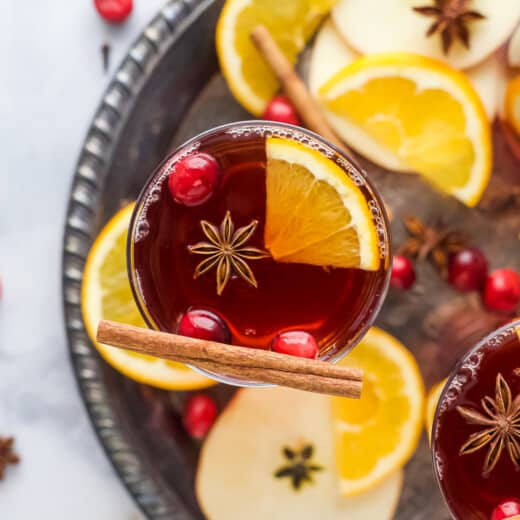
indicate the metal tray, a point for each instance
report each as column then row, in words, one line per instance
column 167, row 89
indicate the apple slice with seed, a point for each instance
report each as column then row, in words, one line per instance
column 271, row 455
column 372, row 26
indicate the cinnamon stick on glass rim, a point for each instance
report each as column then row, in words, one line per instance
column 250, row 363
column 308, row 109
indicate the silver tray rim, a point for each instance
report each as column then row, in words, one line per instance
column 118, row 101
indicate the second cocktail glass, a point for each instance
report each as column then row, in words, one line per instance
column 476, row 433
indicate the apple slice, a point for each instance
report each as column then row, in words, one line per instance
column 490, row 80
column 513, row 49
column 236, row 474
column 330, row 54
column 375, row 26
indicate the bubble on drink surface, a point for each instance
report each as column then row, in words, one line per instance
column 379, row 220
column 501, row 337
column 142, row 228
column 439, row 464
column 470, row 367
column 153, row 194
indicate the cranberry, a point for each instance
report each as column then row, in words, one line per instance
column 507, row 509
column 467, row 270
column 114, row 10
column 280, row 109
column 502, row 290
column 296, row 343
column 201, row 324
column 194, row 179
column 403, row 272
column 200, row 413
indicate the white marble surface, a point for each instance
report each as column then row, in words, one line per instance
column 51, row 81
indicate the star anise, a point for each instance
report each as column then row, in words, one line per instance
column 7, row 455
column 226, row 250
column 435, row 243
column 451, row 19
column 501, row 418
column 299, row 468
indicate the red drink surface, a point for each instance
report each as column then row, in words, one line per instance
column 332, row 304
column 469, row 493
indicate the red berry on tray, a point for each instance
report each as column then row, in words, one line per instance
column 194, row 179
column 201, row 324
column 280, row 109
column 507, row 509
column 114, row 11
column 200, row 413
column 502, row 290
column 296, row 343
column 467, row 270
column 403, row 272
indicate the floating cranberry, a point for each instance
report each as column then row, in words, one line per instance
column 403, row 272
column 200, row 413
column 114, row 11
column 194, row 179
column 201, row 324
column 467, row 270
column 507, row 509
column 502, row 290
column 296, row 343
column 280, row 109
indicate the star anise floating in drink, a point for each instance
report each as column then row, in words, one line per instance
column 501, row 419
column 7, row 455
column 299, row 467
column 227, row 251
column 435, row 243
column 450, row 21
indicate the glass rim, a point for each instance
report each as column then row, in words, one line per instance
column 353, row 167
column 512, row 325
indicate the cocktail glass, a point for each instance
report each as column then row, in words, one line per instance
column 336, row 305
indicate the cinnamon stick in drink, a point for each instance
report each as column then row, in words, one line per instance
column 249, row 363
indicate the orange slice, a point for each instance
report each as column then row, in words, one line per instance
column 106, row 294
column 315, row 212
column 416, row 111
column 290, row 22
column 377, row 434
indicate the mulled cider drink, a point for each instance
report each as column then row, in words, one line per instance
column 261, row 235
column 476, row 435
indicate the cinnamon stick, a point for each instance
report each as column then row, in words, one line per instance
column 295, row 89
column 248, row 363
